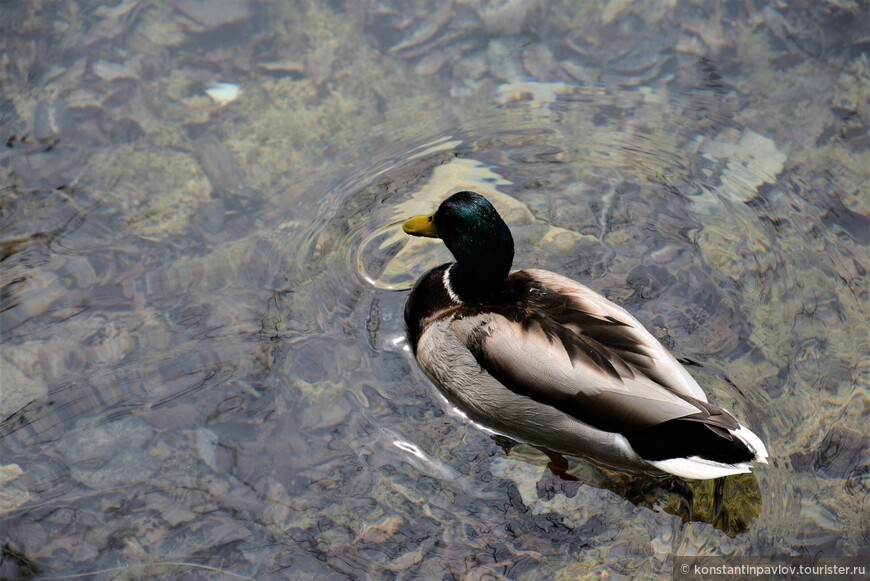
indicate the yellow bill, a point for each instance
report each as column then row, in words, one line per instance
column 423, row 225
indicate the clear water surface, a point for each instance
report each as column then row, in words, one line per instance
column 203, row 369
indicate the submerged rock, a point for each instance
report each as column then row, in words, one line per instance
column 12, row 495
column 111, row 454
column 17, row 389
column 211, row 14
column 750, row 161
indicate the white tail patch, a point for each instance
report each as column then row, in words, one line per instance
column 699, row 468
column 702, row 469
column 753, row 441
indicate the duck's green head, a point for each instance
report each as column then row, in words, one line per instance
column 478, row 238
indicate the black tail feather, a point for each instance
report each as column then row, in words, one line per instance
column 682, row 438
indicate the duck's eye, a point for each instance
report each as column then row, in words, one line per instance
column 429, row 218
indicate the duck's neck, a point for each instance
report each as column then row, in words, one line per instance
column 478, row 281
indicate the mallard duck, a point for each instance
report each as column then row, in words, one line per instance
column 540, row 358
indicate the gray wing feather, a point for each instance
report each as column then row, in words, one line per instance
column 637, row 345
column 607, row 370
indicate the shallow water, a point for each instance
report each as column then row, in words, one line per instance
column 204, row 369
